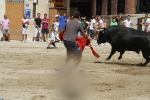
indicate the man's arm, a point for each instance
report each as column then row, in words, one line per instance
column 35, row 23
column 86, row 36
column 123, row 23
column 119, row 16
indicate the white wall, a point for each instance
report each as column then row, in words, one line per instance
column 42, row 7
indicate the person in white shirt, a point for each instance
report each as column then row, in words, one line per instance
column 25, row 23
column 55, row 33
column 127, row 23
column 92, row 27
column 146, row 23
column 4, row 23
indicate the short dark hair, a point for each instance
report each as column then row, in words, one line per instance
column 76, row 14
column 38, row 13
column 45, row 14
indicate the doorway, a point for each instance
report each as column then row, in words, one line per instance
column 83, row 7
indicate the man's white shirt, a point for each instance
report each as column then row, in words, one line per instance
column 92, row 22
column 127, row 23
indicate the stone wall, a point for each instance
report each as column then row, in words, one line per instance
column 134, row 18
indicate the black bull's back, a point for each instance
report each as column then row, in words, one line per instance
column 126, row 39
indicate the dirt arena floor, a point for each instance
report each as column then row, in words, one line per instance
column 28, row 71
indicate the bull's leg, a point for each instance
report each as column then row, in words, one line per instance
column 111, row 53
column 146, row 56
column 121, row 53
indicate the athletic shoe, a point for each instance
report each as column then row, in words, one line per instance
column 48, row 47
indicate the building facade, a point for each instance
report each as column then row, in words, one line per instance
column 114, row 7
column 16, row 8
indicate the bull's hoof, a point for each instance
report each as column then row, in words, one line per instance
column 107, row 59
column 119, row 58
column 142, row 65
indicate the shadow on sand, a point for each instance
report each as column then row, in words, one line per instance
column 122, row 64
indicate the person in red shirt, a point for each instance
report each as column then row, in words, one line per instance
column 45, row 29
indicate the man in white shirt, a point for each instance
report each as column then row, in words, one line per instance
column 92, row 27
column 148, row 25
column 25, row 22
column 127, row 23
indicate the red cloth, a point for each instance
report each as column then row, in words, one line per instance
column 82, row 42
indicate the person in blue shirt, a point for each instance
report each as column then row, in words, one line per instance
column 63, row 21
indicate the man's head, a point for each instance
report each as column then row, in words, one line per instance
column 57, row 18
column 38, row 14
column 45, row 15
column 64, row 14
column 5, row 16
column 24, row 16
column 128, row 17
column 94, row 17
column 99, row 17
column 146, row 15
column 114, row 19
column 77, row 14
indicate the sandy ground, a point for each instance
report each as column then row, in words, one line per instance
column 28, row 71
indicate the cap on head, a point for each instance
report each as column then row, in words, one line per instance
column 56, row 16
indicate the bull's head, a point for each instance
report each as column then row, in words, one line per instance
column 101, row 37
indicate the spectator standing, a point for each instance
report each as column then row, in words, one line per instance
column 118, row 17
column 146, row 23
column 45, row 29
column 127, row 23
column 92, row 27
column 37, row 23
column 63, row 21
column 25, row 22
column 104, row 22
column 102, row 25
column 85, row 24
column 113, row 23
column 5, row 22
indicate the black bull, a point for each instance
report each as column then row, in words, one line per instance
column 126, row 39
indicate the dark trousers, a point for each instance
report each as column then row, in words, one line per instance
column 92, row 34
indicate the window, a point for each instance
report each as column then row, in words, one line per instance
column 143, row 6
column 121, row 6
column 98, row 7
column 109, row 7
